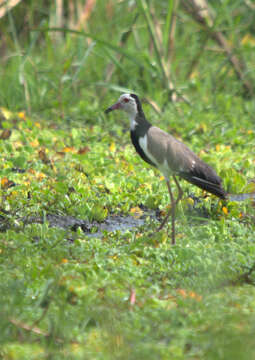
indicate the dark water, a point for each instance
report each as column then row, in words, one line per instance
column 94, row 229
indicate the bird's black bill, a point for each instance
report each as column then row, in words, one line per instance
column 113, row 107
column 108, row 110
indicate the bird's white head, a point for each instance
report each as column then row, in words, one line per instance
column 127, row 103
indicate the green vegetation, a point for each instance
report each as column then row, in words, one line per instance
column 125, row 295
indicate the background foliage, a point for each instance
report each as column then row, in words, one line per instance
column 125, row 295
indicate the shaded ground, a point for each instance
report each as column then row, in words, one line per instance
column 112, row 223
column 94, row 228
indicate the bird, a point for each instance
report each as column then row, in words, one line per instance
column 169, row 155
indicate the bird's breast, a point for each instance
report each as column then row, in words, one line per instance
column 159, row 161
column 143, row 142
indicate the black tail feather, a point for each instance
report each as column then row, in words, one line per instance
column 213, row 188
column 216, row 189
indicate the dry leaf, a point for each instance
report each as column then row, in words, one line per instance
column 6, row 113
column 248, row 39
column 136, row 212
column 225, row 210
column 40, row 176
column 112, row 147
column 195, row 296
column 6, row 183
column 6, row 133
column 83, row 150
column 189, row 294
column 190, row 201
column 43, row 156
column 61, row 153
column 22, row 115
column 34, row 143
column 182, row 292
column 68, row 149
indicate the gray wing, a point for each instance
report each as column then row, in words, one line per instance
column 184, row 162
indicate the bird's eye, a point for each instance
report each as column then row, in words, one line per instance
column 126, row 100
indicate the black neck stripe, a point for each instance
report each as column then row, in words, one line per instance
column 138, row 103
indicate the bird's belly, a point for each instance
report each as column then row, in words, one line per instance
column 165, row 169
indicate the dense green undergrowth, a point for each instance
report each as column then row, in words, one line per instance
column 125, row 295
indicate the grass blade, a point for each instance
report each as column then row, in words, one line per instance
column 114, row 87
column 87, row 53
column 146, row 13
column 167, row 27
column 128, row 55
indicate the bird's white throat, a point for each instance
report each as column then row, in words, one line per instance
column 133, row 123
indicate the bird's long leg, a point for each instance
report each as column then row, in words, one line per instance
column 180, row 192
column 173, row 205
column 170, row 212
